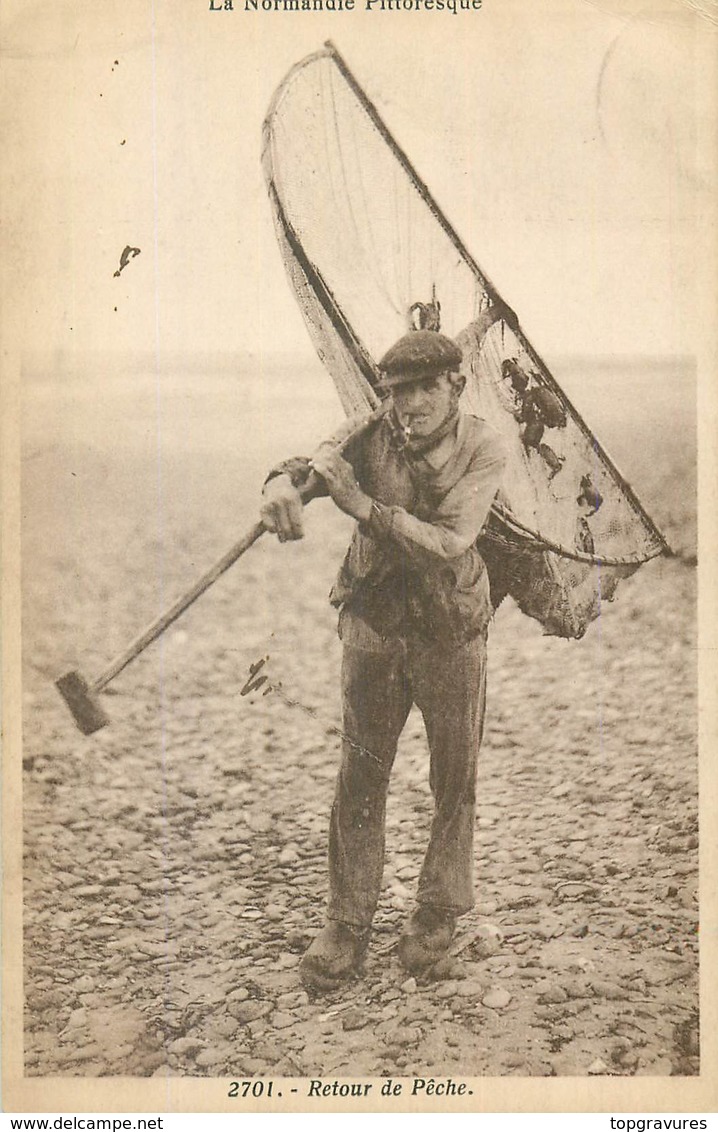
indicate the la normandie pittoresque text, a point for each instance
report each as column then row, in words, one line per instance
column 453, row 7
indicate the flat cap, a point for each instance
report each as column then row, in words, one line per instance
column 419, row 354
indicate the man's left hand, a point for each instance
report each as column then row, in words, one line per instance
column 341, row 482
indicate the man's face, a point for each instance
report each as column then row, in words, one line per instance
column 422, row 405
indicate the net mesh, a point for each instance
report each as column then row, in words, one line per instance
column 363, row 241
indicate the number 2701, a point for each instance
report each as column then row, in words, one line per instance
column 250, row 1089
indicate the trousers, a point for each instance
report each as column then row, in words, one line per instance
column 378, row 689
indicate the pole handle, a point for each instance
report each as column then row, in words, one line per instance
column 158, row 626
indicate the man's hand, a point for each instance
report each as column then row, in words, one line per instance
column 282, row 509
column 341, row 482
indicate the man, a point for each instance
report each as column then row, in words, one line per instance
column 413, row 595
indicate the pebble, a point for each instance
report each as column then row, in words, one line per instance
column 680, row 972
column 583, row 965
column 253, row 1066
column 407, row 872
column 239, row 994
column 282, row 1019
column 514, row 1060
column 530, row 865
column 520, row 898
column 490, row 931
column 164, row 1070
column 447, row 990
column 151, row 1061
column 153, row 886
column 486, row 907
column 258, row 1028
column 553, row 993
column 182, row 1046
column 226, row 1027
column 658, row 1067
column 548, row 931
column 388, row 1012
column 77, row 1019
column 293, row 1000
column 239, row 894
column 259, row 821
column 210, row 1057
column 572, row 890
column 469, row 988
column 298, row 939
column 607, row 990
column 485, row 948
column 246, row 1012
column 497, row 998
column 598, row 1068
column 158, row 948
column 577, row 988
column 619, row 1049
column 630, row 1060
column 356, row 1019
column 562, row 790
column 328, row 1025
column 409, row 987
column 403, row 1036
column 567, row 1065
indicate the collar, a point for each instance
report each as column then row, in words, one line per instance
column 418, row 446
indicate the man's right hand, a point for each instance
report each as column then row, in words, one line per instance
column 282, row 509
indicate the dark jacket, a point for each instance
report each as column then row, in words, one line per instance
column 413, row 568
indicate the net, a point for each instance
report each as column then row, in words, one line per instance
column 363, row 241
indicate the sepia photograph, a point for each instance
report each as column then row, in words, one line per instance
column 356, row 388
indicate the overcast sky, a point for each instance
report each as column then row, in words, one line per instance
column 560, row 138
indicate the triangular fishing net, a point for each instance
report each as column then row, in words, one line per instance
column 363, row 241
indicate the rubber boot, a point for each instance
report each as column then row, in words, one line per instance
column 335, row 955
column 426, row 939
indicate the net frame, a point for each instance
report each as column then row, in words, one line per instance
column 356, row 376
